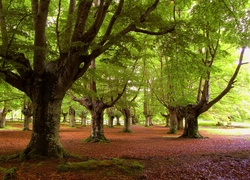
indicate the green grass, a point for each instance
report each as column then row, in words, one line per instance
column 123, row 165
column 207, row 123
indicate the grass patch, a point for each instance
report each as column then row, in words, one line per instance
column 9, row 173
column 227, row 131
column 207, row 123
column 123, row 165
column 10, row 128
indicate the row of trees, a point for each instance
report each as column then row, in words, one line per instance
column 165, row 50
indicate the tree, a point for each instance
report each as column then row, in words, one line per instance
column 49, row 71
column 194, row 56
column 27, row 112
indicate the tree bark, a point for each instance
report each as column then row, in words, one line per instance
column 173, row 120
column 45, row 140
column 191, row 124
column 72, row 118
column 83, row 116
column 127, row 118
column 97, row 128
column 64, row 116
column 111, row 116
column 167, row 119
column 3, row 114
column 27, row 112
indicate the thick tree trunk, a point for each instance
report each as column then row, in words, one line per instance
column 191, row 123
column 173, row 121
column 127, row 118
column 45, row 140
column 97, row 128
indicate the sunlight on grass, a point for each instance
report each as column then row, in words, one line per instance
column 236, row 129
column 7, row 128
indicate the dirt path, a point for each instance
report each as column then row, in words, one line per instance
column 164, row 156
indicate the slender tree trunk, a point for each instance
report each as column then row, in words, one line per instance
column 72, row 118
column 167, row 119
column 83, row 116
column 3, row 117
column 111, row 116
column 191, row 124
column 127, row 118
column 118, row 120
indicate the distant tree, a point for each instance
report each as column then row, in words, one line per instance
column 28, row 113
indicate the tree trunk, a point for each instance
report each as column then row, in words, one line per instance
column 3, row 114
column 64, row 116
column 180, row 117
column 191, row 123
column 118, row 120
column 72, row 118
column 83, row 116
column 97, row 128
column 118, row 115
column 27, row 112
column 111, row 116
column 167, row 119
column 45, row 140
column 173, row 121
column 180, row 123
column 127, row 117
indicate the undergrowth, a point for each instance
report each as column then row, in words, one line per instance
column 126, row 166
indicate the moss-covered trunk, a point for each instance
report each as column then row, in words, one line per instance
column 46, row 99
column 45, row 140
column 97, row 128
column 173, row 121
column 127, row 118
column 191, row 125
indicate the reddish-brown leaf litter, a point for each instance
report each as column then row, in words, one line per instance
column 164, row 156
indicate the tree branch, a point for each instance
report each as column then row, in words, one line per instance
column 168, row 30
column 15, row 80
column 229, row 85
column 112, row 21
column 90, row 35
column 82, row 16
column 40, row 34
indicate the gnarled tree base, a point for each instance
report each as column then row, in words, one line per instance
column 92, row 139
column 37, row 153
column 125, row 130
column 172, row 131
column 191, row 135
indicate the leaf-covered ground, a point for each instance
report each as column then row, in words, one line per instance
column 164, row 156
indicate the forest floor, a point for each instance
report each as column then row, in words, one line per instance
column 147, row 153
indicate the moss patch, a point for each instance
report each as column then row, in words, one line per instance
column 126, row 166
